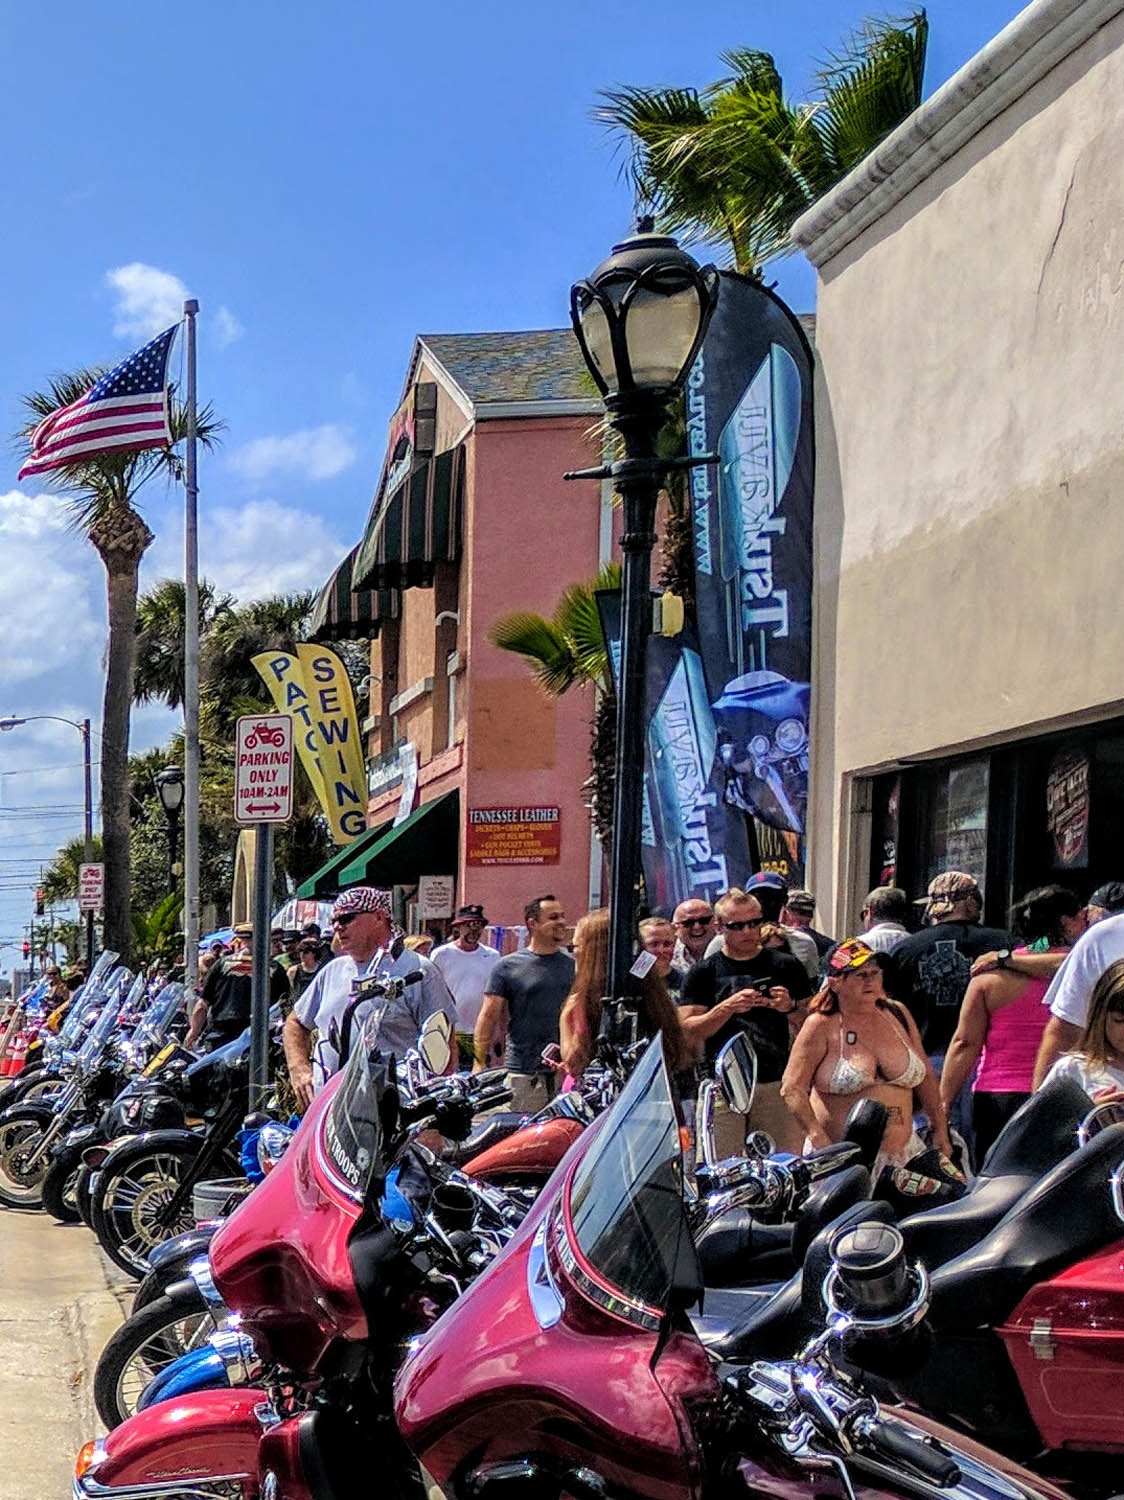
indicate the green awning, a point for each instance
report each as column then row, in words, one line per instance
column 344, row 613
column 326, row 880
column 425, row 844
column 414, row 528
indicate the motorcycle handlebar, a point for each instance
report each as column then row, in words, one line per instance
column 894, row 1445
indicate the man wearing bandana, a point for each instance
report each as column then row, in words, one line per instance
column 369, row 944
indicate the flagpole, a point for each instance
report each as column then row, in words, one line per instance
column 191, row 673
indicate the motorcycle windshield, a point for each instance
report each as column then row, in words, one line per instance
column 351, row 1126
column 159, row 1016
column 626, row 1203
column 102, row 1028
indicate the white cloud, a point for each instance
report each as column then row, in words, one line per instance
column 251, row 551
column 227, row 328
column 148, row 300
column 313, row 453
column 52, row 584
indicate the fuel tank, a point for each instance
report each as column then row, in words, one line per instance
column 534, row 1151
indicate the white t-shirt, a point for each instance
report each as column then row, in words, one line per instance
column 883, row 937
column 466, row 974
column 1093, row 1078
column 1072, row 986
column 326, row 998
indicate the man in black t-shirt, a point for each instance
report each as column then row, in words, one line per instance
column 747, row 987
column 934, row 966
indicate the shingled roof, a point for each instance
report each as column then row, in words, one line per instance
column 543, row 364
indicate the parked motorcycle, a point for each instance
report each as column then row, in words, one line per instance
column 571, row 1367
column 330, row 1276
column 89, row 1077
column 141, row 1193
column 41, row 1074
column 65, row 1188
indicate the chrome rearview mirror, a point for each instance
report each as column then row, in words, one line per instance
column 435, row 1044
column 735, row 1070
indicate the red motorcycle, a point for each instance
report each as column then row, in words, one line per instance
column 572, row 1367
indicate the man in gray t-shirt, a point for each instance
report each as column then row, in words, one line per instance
column 522, row 1003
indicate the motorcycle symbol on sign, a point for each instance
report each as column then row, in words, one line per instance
column 265, row 734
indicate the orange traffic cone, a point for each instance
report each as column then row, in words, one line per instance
column 18, row 1055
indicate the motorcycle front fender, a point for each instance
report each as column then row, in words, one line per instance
column 197, row 1370
column 207, row 1436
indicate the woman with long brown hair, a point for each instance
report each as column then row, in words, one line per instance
column 581, row 1014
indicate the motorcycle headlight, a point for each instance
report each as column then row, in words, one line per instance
column 273, row 1142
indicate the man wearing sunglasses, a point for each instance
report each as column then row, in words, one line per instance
column 747, row 987
column 369, row 944
column 694, row 928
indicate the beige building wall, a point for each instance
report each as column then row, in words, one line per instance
column 970, row 422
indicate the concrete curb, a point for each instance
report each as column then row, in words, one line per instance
column 92, row 1320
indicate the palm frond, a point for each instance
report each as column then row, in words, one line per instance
column 542, row 643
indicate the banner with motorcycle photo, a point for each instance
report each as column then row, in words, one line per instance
column 726, row 765
column 314, row 687
column 749, row 401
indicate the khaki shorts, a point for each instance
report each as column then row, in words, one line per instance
column 769, row 1113
column 530, row 1092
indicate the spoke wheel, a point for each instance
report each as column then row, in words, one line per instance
column 148, row 1341
column 131, row 1217
column 21, row 1185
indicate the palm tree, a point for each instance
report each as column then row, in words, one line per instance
column 102, row 488
column 568, row 649
column 161, row 624
column 737, row 163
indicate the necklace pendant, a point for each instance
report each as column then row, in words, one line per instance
column 851, row 1038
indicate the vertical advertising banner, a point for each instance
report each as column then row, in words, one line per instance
column 314, row 688
column 749, row 400
column 690, row 845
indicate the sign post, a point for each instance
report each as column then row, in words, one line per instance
column 263, row 796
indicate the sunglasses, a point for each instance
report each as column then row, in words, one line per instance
column 347, row 917
column 696, row 921
column 741, row 926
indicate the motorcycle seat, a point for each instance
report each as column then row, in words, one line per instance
column 1040, row 1134
column 725, row 1307
column 773, row 1327
column 1067, row 1215
column 738, row 1249
column 486, row 1132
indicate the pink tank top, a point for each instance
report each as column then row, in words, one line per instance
column 1013, row 1038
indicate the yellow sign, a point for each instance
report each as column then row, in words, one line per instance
column 314, row 688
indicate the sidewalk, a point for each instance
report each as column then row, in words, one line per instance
column 61, row 1301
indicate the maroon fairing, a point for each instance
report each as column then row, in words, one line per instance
column 282, row 1260
column 492, row 1382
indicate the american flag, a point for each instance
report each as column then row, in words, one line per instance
column 125, row 408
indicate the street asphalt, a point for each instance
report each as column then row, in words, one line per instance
column 61, row 1301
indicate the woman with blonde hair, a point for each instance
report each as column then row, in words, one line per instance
column 580, row 1021
column 1097, row 1062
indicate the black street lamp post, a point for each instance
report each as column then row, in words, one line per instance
column 169, row 785
column 640, row 319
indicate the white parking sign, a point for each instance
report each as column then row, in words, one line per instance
column 263, row 768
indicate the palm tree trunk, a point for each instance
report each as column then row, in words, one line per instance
column 121, row 538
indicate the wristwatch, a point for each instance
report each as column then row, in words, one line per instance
column 1003, row 958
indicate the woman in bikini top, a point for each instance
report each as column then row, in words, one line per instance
column 857, row 1044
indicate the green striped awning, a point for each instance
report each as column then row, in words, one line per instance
column 414, row 528
column 424, row 844
column 326, row 881
column 344, row 613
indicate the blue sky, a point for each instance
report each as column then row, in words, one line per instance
column 328, row 180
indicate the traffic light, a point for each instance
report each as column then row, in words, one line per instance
column 39, row 902
column 26, row 950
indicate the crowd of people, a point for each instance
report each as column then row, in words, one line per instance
column 951, row 1021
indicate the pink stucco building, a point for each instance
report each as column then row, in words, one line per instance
column 471, row 519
